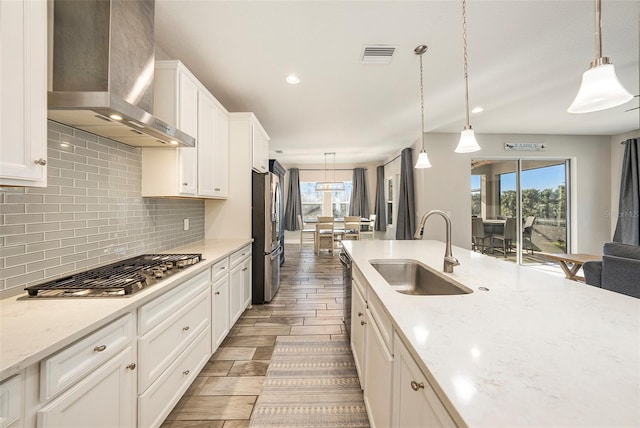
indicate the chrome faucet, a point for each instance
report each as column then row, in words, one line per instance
column 449, row 260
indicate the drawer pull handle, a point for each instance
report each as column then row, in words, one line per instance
column 217, row 189
column 217, row 293
column 416, row 386
column 243, row 270
column 362, row 323
column 41, row 161
column 100, row 348
column 185, row 328
column 132, row 366
column 186, row 372
column 360, row 314
column 223, row 268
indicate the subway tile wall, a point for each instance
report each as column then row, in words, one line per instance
column 91, row 213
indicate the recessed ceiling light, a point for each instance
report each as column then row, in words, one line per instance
column 292, row 79
column 115, row 117
column 477, row 110
column 174, row 142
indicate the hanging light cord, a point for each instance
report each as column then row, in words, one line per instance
column 598, row 31
column 421, row 106
column 466, row 70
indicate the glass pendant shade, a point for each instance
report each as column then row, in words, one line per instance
column 423, row 160
column 467, row 143
column 600, row 89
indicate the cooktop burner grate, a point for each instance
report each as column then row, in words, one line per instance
column 119, row 278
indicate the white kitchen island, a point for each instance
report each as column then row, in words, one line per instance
column 535, row 350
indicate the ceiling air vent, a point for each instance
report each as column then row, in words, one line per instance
column 377, row 54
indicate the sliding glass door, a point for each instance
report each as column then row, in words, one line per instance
column 523, row 204
column 544, row 207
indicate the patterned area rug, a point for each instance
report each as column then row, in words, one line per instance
column 310, row 383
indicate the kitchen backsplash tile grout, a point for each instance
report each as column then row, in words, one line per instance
column 91, row 213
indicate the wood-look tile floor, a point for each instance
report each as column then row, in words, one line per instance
column 309, row 302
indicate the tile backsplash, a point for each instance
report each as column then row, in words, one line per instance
column 91, row 213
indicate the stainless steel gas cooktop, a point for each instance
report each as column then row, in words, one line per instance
column 116, row 279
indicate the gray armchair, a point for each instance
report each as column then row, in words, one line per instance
column 618, row 271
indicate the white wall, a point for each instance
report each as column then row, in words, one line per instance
column 446, row 186
column 231, row 218
column 617, row 155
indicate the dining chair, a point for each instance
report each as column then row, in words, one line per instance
column 369, row 228
column 306, row 231
column 527, row 231
column 478, row 235
column 324, row 234
column 507, row 237
column 352, row 227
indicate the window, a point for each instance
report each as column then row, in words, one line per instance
column 476, row 196
column 311, row 200
column 315, row 203
column 340, row 201
column 508, row 197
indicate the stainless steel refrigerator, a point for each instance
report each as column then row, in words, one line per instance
column 265, row 226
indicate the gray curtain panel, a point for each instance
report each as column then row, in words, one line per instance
column 294, row 203
column 380, row 209
column 406, row 225
column 359, row 204
column 628, row 226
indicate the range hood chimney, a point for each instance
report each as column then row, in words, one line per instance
column 103, row 67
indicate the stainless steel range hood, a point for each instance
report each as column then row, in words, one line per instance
column 102, row 72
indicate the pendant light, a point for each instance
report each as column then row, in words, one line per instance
column 329, row 186
column 423, row 159
column 467, row 143
column 600, row 88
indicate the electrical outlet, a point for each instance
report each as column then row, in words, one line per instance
column 185, row 225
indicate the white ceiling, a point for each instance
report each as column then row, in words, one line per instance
column 525, row 63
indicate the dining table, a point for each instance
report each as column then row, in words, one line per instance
column 338, row 229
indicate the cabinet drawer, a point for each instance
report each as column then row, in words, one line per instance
column 76, row 361
column 220, row 269
column 240, row 255
column 10, row 401
column 159, row 348
column 381, row 319
column 163, row 307
column 158, row 401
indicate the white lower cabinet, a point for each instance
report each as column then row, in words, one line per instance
column 378, row 372
column 157, row 402
column 220, row 312
column 396, row 392
column 11, row 401
column 358, row 332
column 239, row 283
column 174, row 345
column 415, row 404
column 105, row 398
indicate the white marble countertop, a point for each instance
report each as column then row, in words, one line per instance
column 33, row 328
column 536, row 350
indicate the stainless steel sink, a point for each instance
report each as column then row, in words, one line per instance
column 412, row 277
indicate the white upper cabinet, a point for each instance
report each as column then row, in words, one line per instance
column 23, row 84
column 213, row 148
column 260, row 148
column 201, row 171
